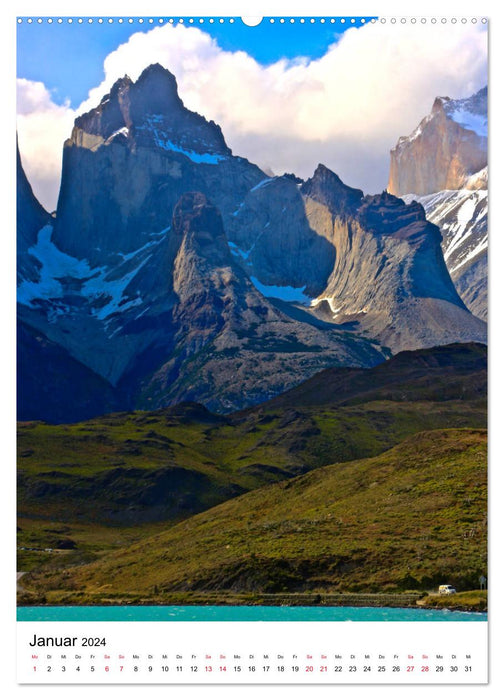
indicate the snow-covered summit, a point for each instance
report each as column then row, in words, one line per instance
column 471, row 112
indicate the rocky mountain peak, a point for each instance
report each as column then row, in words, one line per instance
column 327, row 188
column 176, row 271
column 128, row 102
column 155, row 92
column 118, row 88
column 131, row 158
column 150, row 113
column 438, row 106
column 448, row 146
column 157, row 75
column 385, row 214
column 110, row 115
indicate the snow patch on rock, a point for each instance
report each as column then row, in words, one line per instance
column 284, row 293
column 103, row 288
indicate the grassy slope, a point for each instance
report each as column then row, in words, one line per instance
column 114, row 468
column 78, row 480
column 113, row 480
column 412, row 517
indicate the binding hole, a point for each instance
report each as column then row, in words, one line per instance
column 252, row 21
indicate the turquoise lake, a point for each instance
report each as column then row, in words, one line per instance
column 253, row 613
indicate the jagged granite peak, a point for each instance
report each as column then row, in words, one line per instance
column 111, row 114
column 149, row 112
column 448, row 146
column 372, row 265
column 327, row 188
column 176, row 271
column 131, row 158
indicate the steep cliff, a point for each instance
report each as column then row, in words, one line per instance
column 443, row 165
column 448, row 145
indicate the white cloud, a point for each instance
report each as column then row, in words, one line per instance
column 346, row 109
column 42, row 128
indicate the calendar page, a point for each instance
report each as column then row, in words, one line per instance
column 252, row 349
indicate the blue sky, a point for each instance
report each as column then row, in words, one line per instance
column 68, row 57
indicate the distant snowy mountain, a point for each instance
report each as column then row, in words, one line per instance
column 448, row 146
column 448, row 150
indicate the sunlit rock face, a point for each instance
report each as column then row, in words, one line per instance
column 447, row 147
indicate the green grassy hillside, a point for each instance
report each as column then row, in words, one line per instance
column 87, row 488
column 128, row 468
column 410, row 518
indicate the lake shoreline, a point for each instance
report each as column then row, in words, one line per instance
column 473, row 601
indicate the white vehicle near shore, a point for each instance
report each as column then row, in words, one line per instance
column 446, row 590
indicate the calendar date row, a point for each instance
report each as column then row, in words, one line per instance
column 260, row 669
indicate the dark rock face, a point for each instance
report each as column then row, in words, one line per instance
column 130, row 160
column 111, row 114
column 193, row 214
column 371, row 264
column 272, row 239
column 386, row 215
column 53, row 386
column 31, row 217
column 175, row 271
column 152, row 101
column 225, row 344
